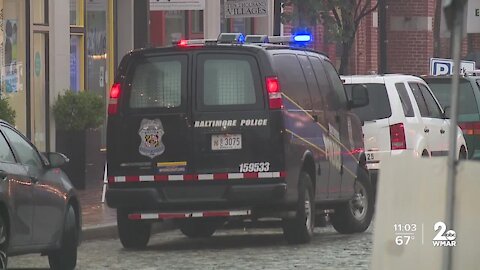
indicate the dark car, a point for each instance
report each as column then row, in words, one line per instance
column 204, row 131
column 468, row 109
column 39, row 211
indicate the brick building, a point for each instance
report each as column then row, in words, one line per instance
column 399, row 37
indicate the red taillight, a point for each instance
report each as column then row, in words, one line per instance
column 397, row 137
column 114, row 96
column 470, row 128
column 182, row 43
column 274, row 93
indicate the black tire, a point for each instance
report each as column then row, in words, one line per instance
column 65, row 257
column 299, row 230
column 134, row 234
column 199, row 228
column 3, row 242
column 356, row 215
column 463, row 154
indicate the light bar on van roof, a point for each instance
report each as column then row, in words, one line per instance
column 231, row 38
column 256, row 39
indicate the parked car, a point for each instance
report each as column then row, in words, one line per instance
column 403, row 117
column 205, row 131
column 469, row 106
column 39, row 211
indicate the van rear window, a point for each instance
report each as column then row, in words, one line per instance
column 157, row 83
column 228, row 80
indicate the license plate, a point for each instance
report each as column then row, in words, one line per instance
column 226, row 141
column 370, row 157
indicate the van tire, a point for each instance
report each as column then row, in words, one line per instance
column 299, row 230
column 198, row 228
column 65, row 257
column 133, row 234
column 356, row 215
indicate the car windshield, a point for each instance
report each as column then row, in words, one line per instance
column 441, row 89
column 379, row 105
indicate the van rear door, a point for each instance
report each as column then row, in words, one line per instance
column 233, row 129
column 149, row 134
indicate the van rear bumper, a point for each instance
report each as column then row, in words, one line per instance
column 195, row 197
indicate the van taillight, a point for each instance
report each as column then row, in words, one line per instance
column 274, row 93
column 470, row 128
column 114, row 96
column 397, row 137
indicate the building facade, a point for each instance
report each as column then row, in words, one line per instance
column 49, row 46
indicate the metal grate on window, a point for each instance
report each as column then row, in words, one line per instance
column 228, row 82
column 157, row 84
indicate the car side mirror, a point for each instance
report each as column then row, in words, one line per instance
column 57, row 159
column 447, row 112
column 359, row 96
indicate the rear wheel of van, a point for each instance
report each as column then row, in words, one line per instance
column 299, row 230
column 355, row 215
column 199, row 228
column 134, row 234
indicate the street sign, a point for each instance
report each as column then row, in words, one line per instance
column 245, row 8
column 439, row 66
column 177, row 4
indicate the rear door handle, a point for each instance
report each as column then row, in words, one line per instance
column 442, row 131
column 426, row 130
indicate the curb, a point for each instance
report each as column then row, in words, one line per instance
column 109, row 230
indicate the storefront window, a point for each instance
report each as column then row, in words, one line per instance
column 12, row 58
column 39, row 9
column 174, row 26
column 76, row 11
column 76, row 59
column 197, row 21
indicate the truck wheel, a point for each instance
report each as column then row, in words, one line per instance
column 299, row 230
column 66, row 256
column 355, row 215
column 134, row 234
column 199, row 228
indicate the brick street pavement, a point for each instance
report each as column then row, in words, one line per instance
column 227, row 249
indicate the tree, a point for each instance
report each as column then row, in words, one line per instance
column 341, row 19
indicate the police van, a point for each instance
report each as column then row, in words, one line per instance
column 207, row 131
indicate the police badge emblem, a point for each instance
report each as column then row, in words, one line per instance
column 151, row 132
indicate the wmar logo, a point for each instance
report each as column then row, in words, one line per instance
column 444, row 238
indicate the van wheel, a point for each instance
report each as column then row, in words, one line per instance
column 299, row 230
column 3, row 242
column 66, row 256
column 198, row 228
column 133, row 234
column 355, row 215
column 463, row 154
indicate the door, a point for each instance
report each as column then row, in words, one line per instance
column 319, row 114
column 40, row 93
column 152, row 135
column 426, row 128
column 17, row 188
column 331, row 128
column 232, row 129
column 439, row 126
column 344, row 143
column 46, row 197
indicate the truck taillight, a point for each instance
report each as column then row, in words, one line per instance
column 470, row 128
column 397, row 137
column 274, row 93
column 115, row 93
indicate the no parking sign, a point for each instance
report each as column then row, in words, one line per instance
column 440, row 66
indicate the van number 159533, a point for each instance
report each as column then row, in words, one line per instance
column 255, row 167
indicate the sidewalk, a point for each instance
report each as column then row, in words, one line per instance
column 100, row 221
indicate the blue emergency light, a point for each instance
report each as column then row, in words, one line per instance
column 302, row 38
